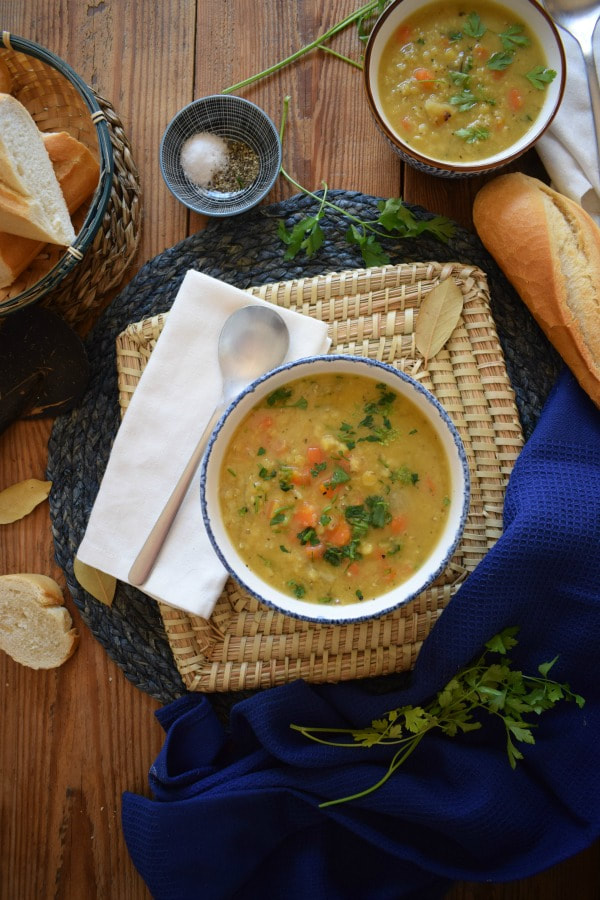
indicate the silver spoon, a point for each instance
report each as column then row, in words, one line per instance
column 253, row 340
column 579, row 18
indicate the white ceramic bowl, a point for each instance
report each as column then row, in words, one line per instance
column 366, row 609
column 526, row 11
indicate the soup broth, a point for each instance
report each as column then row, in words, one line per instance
column 460, row 83
column 335, row 489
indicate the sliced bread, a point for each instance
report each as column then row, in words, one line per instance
column 78, row 174
column 35, row 628
column 32, row 204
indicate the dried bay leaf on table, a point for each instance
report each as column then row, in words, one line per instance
column 99, row 585
column 438, row 317
column 18, row 500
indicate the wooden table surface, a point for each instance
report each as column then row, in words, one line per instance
column 73, row 739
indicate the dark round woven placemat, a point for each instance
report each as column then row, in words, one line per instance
column 242, row 251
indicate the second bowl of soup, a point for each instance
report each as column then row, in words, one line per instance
column 335, row 489
column 463, row 89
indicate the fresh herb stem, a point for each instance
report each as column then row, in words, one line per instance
column 346, row 59
column 492, row 687
column 363, row 12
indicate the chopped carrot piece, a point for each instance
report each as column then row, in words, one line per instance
column 403, row 34
column 515, row 99
column 398, row 524
column 265, row 422
column 498, row 74
column 430, row 484
column 407, row 123
column 425, row 77
column 315, row 455
column 305, row 515
column 482, row 53
column 300, row 476
column 353, row 569
column 340, row 534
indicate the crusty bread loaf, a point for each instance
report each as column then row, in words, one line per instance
column 35, row 628
column 5, row 78
column 31, row 201
column 78, row 173
column 549, row 249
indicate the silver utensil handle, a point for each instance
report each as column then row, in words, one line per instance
column 144, row 561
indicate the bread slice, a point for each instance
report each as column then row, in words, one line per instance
column 35, row 628
column 78, row 174
column 31, row 201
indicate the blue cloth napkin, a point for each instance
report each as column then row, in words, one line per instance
column 236, row 815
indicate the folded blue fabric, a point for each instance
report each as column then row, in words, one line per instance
column 237, row 815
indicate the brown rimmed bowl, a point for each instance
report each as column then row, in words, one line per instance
column 533, row 17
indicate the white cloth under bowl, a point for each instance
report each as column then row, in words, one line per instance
column 174, row 399
column 568, row 149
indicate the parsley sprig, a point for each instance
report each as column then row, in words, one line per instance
column 395, row 219
column 492, row 687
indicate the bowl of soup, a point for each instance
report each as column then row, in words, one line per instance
column 335, row 489
column 459, row 89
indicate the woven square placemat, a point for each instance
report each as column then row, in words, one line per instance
column 245, row 645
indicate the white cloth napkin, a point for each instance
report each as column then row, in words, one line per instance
column 568, row 148
column 174, row 399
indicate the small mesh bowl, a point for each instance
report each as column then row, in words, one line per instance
column 231, row 118
column 58, row 100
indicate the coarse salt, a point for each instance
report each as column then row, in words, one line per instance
column 202, row 156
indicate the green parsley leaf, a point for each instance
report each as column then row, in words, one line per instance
column 472, row 134
column 500, row 61
column 298, row 590
column 540, row 77
column 514, row 37
column 474, row 27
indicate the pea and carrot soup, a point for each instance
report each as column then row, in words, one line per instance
column 461, row 84
column 335, row 488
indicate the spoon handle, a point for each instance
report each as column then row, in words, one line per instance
column 144, row 561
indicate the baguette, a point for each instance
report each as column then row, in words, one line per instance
column 35, row 628
column 31, row 201
column 549, row 249
column 78, row 173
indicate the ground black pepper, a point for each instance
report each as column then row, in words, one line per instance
column 241, row 170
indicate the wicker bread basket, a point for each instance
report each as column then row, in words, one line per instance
column 58, row 100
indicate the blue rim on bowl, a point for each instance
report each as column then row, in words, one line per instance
column 99, row 202
column 540, row 23
column 366, row 609
column 229, row 117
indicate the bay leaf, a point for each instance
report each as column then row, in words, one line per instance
column 99, row 584
column 18, row 500
column 438, row 316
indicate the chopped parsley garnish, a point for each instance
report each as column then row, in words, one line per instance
column 473, row 134
column 499, row 61
column 280, row 397
column 298, row 590
column 540, row 76
column 266, row 474
column 308, row 535
column 513, row 37
column 474, row 27
column 338, row 476
column 261, row 451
